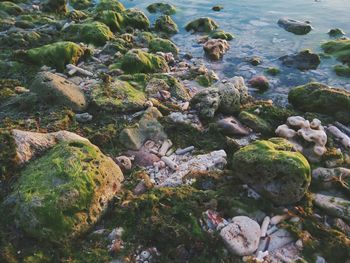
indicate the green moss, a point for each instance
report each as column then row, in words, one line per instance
column 118, row 96
column 273, row 71
column 55, row 55
column 57, row 6
column 163, row 8
column 317, row 97
column 340, row 49
column 95, row 33
column 81, row 4
column 112, row 19
column 10, row 8
column 220, row 34
column 166, row 25
column 203, row 24
column 7, row 155
column 113, row 5
column 163, row 45
column 138, row 61
column 136, row 19
column 343, row 71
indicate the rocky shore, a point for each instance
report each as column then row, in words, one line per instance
column 117, row 146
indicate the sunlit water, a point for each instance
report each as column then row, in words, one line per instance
column 254, row 23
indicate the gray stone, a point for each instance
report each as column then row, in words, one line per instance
column 304, row 60
column 294, row 26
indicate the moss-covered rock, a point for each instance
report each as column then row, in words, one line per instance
column 81, row 4
column 138, row 61
column 163, row 45
column 63, row 193
column 117, row 45
column 203, row 24
column 221, row 34
column 320, row 98
column 118, row 96
column 340, row 49
column 95, row 33
column 341, row 70
column 273, row 169
column 7, row 154
column 10, row 8
column 57, row 6
column 166, row 25
column 113, row 5
column 55, row 55
column 336, row 32
column 273, row 71
column 110, row 18
column 163, row 8
column 135, row 18
column 77, row 15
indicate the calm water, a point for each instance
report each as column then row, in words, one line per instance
column 254, row 23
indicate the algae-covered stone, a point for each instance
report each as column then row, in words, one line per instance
column 55, row 55
column 59, row 6
column 81, row 4
column 138, row 61
column 10, row 8
column 317, row 97
column 110, row 18
column 206, row 102
column 336, row 32
column 203, row 24
column 294, row 26
column 274, row 170
column 118, row 96
column 221, row 34
column 166, row 25
column 340, row 49
column 255, row 122
column 135, row 18
column 163, row 45
column 164, row 8
column 341, row 70
column 113, row 5
column 303, row 60
column 63, row 193
column 56, row 90
column 95, row 33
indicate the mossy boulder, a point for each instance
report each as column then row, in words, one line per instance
column 163, row 8
column 274, row 170
column 113, row 5
column 136, row 19
column 203, row 24
column 166, row 24
column 118, row 96
column 110, row 18
column 95, row 33
column 138, row 61
column 55, row 55
column 340, row 49
column 163, row 45
column 221, row 34
column 342, row 71
column 320, row 98
column 7, row 154
column 63, row 193
column 10, row 8
column 81, row 4
column 57, row 6
column 117, row 45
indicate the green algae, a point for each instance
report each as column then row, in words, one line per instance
column 163, row 45
column 112, row 19
column 7, row 155
column 220, row 34
column 342, row 71
column 163, row 8
column 10, row 8
column 166, row 25
column 113, row 5
column 203, row 24
column 340, row 49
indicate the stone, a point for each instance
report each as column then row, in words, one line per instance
column 166, row 25
column 113, row 5
column 203, row 24
column 231, row 126
column 148, row 128
column 206, row 102
column 135, row 19
column 340, row 49
column 259, row 82
column 217, row 8
column 334, row 206
column 320, row 98
column 294, row 26
column 215, row 48
column 163, row 8
column 274, row 170
column 53, row 89
column 163, row 45
column 336, row 32
column 241, row 236
column 63, row 193
column 58, row 6
column 304, row 60
column 220, row 34
column 342, row 71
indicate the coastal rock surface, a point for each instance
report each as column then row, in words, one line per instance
column 294, row 26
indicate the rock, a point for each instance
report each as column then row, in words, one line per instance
column 232, row 126
column 273, row 71
column 334, row 206
column 163, row 8
column 339, row 48
column 203, row 24
column 294, row 26
column 256, row 123
column 166, row 25
column 342, row 71
column 259, row 82
column 117, row 96
column 336, row 32
column 163, row 45
column 216, row 48
column 80, row 4
column 138, row 61
column 207, row 78
column 143, row 158
column 113, row 5
column 273, row 170
column 320, row 98
column 255, row 61
column 58, row 6
column 304, row 60
column 276, row 240
column 112, row 19
column 65, row 192
column 206, row 102
column 148, row 128
column 220, row 34
column 56, row 55
column 241, row 236
column 217, row 8
column 83, row 117
column 56, row 90
column 10, row 8
column 136, row 19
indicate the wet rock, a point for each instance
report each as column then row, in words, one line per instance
column 113, row 20
column 339, row 48
column 163, row 8
column 255, row 61
column 216, row 48
column 259, row 82
column 83, row 117
column 206, row 102
column 274, row 170
column 59, row 6
column 163, row 45
column 294, row 26
column 166, row 25
column 148, row 128
column 10, row 8
column 232, row 126
column 81, row 4
column 273, row 71
column 342, row 71
column 334, row 206
column 113, row 5
column 336, row 32
column 317, row 97
column 203, row 24
column 217, row 8
column 241, row 236
column 135, row 19
column 220, row 34
column 304, row 60
column 56, row 90
column 63, row 193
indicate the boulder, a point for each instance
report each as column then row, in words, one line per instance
column 334, row 206
column 259, row 82
column 112, row 19
column 136, row 19
column 206, row 102
column 304, row 60
column 320, row 98
column 166, row 25
column 274, row 170
column 113, row 5
column 216, row 48
column 56, row 90
column 336, row 32
column 10, row 8
column 294, row 26
column 163, row 45
column 339, row 48
column 163, row 8
column 221, row 34
column 203, row 24
column 241, row 236
column 63, row 193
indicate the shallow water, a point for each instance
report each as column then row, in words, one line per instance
column 254, row 23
